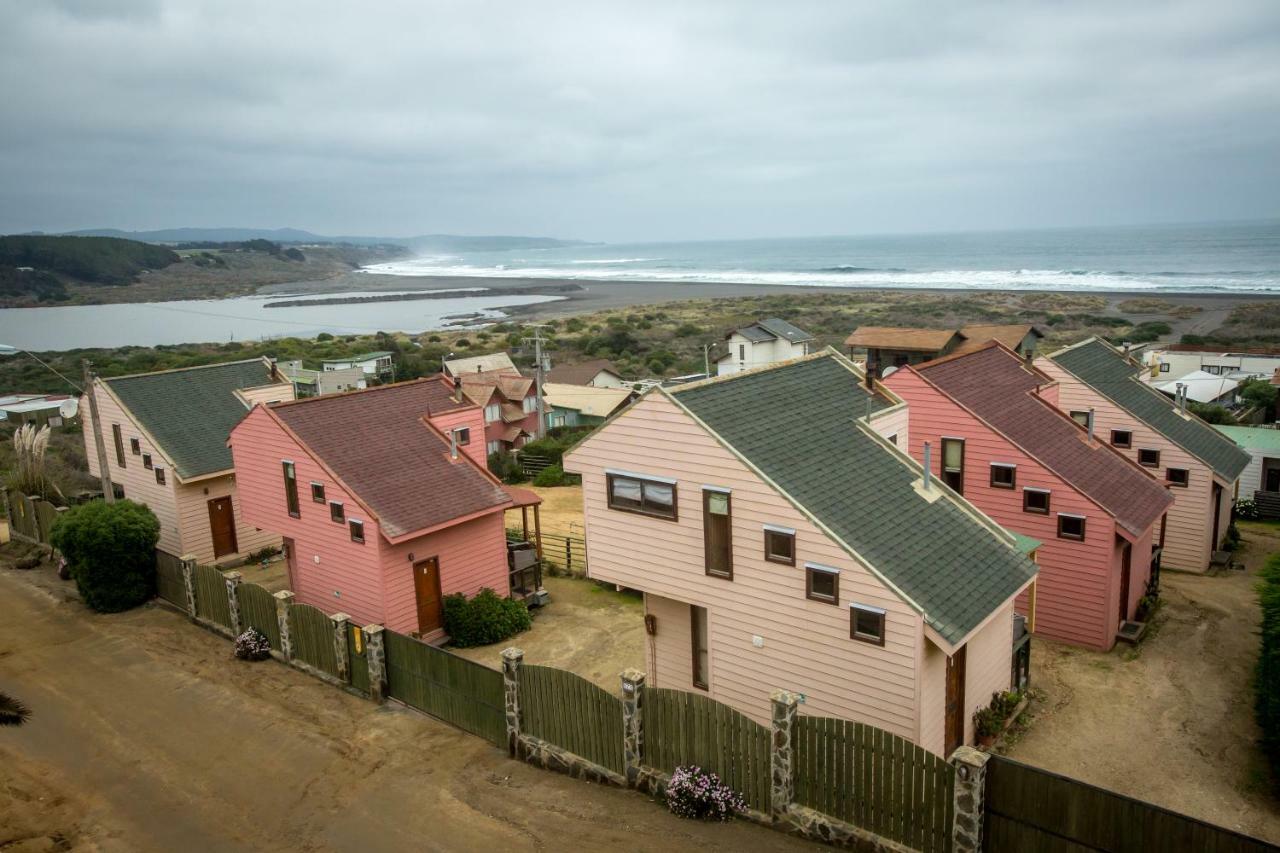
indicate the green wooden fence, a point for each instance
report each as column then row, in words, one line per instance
column 258, row 610
column 170, row 584
column 454, row 689
column 876, row 780
column 359, row 658
column 311, row 632
column 682, row 728
column 1032, row 809
column 567, row 710
column 211, row 596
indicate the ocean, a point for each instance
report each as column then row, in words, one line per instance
column 1231, row 257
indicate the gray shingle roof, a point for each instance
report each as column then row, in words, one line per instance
column 783, row 329
column 190, row 412
column 1103, row 368
column 796, row 424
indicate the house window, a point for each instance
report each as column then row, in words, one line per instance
column 1081, row 418
column 630, row 493
column 1070, row 526
column 742, row 352
column 1035, row 500
column 494, row 447
column 135, row 446
column 530, row 405
column 1179, row 477
column 317, row 493
column 717, row 533
column 866, row 623
column 146, row 461
column 821, row 583
column 1122, row 438
column 1149, row 458
column 953, row 464
column 160, row 476
column 492, row 412
column 698, row 642
column 119, row 441
column 1164, row 368
column 780, row 545
column 118, row 491
column 1003, row 476
column 291, row 489
column 357, row 530
column 556, row 419
column 336, row 513
column 462, row 435
column 893, row 439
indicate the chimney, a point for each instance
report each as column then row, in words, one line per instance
column 928, row 466
column 1028, row 357
column 457, row 389
column 1091, row 424
column 1182, row 397
column 453, row 444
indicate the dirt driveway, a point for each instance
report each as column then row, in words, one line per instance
column 147, row 736
column 1172, row 721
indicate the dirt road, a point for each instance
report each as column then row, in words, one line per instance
column 147, row 736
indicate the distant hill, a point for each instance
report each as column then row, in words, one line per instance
column 36, row 266
column 435, row 242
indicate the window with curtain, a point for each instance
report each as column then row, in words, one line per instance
column 953, row 463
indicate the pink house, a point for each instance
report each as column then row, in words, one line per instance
column 383, row 500
column 509, row 402
column 997, row 437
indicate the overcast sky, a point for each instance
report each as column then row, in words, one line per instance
column 638, row 121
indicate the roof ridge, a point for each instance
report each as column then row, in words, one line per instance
column 264, row 360
column 353, row 391
column 825, row 352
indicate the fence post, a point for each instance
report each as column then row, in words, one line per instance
column 632, row 723
column 971, row 775
column 284, row 598
column 341, row 650
column 189, row 582
column 781, row 754
column 376, row 654
column 233, row 601
column 511, row 660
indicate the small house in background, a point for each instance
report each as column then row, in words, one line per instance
column 896, row 346
column 166, row 440
column 1201, row 386
column 375, row 364
column 581, row 405
column 1168, row 362
column 598, row 373
column 509, row 403
column 498, row 362
column 317, row 383
column 1262, row 474
column 39, row 409
column 380, row 523
column 762, row 342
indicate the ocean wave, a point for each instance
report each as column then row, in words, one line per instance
column 843, row 268
column 616, row 260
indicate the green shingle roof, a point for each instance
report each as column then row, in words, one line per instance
column 1257, row 438
column 1107, row 371
column 797, row 424
column 190, row 412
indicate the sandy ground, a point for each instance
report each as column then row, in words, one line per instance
column 561, row 509
column 147, row 736
column 1170, row 722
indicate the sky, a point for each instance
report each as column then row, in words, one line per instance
column 636, row 121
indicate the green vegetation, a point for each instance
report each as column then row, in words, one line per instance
column 552, row 475
column 110, row 549
column 1267, row 674
column 38, row 267
column 1210, row 412
column 1259, row 393
column 486, row 618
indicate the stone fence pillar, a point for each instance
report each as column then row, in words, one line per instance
column 341, row 648
column 781, row 753
column 512, row 658
column 284, row 598
column 189, row 582
column 632, row 724
column 233, row 600
column 971, row 776
column 376, row 654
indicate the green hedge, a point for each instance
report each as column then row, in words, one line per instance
column 486, row 618
column 1267, row 677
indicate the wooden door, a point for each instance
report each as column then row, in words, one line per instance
column 1217, row 516
column 287, row 546
column 222, row 526
column 426, row 589
column 1125, row 565
column 955, row 701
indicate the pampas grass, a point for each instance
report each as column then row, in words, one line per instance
column 12, row 712
column 29, row 446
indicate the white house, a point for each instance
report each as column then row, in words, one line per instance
column 372, row 363
column 763, row 342
column 1177, row 360
column 1203, row 387
column 317, row 383
column 497, row 362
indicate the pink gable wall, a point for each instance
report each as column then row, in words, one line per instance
column 1076, row 593
column 471, row 417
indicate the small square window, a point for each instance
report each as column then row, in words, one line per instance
column 135, row 446
column 160, row 476
column 1071, row 527
column 822, row 584
column 336, row 513
column 462, row 435
column 866, row 624
column 118, row 491
column 317, row 492
column 1003, row 476
column 1164, row 368
column 1122, row 438
column 1179, row 477
column 1035, row 500
column 1081, row 418
column 146, row 461
column 1149, row 458
column 780, row 546
column 357, row 530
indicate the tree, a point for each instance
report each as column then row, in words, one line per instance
column 110, row 549
column 1211, row 413
column 1259, row 393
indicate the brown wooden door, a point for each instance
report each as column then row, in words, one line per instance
column 955, row 700
column 222, row 525
column 1217, row 516
column 426, row 588
column 1126, row 560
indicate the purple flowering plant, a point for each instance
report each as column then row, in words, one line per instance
column 699, row 794
column 253, row 645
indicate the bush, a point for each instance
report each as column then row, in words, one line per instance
column 552, row 475
column 506, row 467
column 111, row 552
column 1246, row 510
column 486, row 618
column 699, row 794
column 252, row 645
column 1210, row 412
column 1267, row 674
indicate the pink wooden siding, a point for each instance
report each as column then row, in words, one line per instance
column 473, row 419
column 986, row 671
column 277, row 393
column 668, row 654
column 933, row 697
column 1074, row 589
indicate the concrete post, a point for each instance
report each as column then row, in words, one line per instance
column 781, row 755
column 971, row 776
column 512, row 658
column 283, row 599
column 233, row 600
column 189, row 581
column 376, row 654
column 632, row 724
column 341, row 650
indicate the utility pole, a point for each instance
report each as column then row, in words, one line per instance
column 108, row 490
column 539, row 366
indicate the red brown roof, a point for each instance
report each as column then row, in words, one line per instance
column 900, row 337
column 993, row 383
column 581, row 374
column 398, row 465
column 1009, row 335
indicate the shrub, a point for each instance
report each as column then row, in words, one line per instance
column 1231, row 541
column 486, row 618
column 506, row 467
column 1246, row 510
column 252, row 645
column 12, row 712
column 552, row 475
column 699, row 794
column 1267, row 674
column 111, row 551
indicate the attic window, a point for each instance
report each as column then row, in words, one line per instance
column 1122, row 438
column 1036, row 501
column 146, row 461
column 135, row 446
column 1081, row 418
column 780, row 545
column 1003, row 476
column 1071, row 527
column 1149, row 458
column 821, row 583
column 866, row 623
column 462, row 435
column 160, row 476
column 317, row 492
column 1179, row 477
column 357, row 530
column 336, row 513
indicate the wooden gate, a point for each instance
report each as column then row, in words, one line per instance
column 258, row 610
column 211, row 596
column 570, row 712
column 682, row 728
column 170, row 583
column 875, row 780
column 359, row 658
column 458, row 691
column 311, row 632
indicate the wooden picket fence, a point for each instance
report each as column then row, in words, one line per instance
column 876, row 780
column 467, row 694
column 311, row 631
column 211, row 596
column 565, row 709
column 258, row 610
column 31, row 518
column 169, row 579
